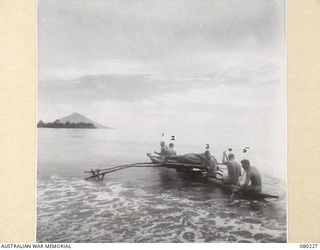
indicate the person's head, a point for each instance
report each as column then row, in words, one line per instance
column 207, row 154
column 245, row 164
column 171, row 145
column 231, row 156
column 162, row 143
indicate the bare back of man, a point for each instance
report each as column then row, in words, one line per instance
column 234, row 169
column 171, row 151
column 253, row 178
column 234, row 172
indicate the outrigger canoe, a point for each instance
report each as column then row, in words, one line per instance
column 98, row 175
column 196, row 168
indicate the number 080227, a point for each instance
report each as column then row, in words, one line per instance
column 310, row 246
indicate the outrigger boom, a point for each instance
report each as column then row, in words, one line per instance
column 98, row 175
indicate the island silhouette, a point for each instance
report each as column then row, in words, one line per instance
column 75, row 120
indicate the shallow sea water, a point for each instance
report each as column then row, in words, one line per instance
column 140, row 204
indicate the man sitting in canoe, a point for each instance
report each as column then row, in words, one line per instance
column 253, row 176
column 234, row 169
column 211, row 164
column 199, row 159
column 164, row 149
column 171, row 151
column 163, row 154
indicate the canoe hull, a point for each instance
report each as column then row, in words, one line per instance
column 247, row 194
column 200, row 169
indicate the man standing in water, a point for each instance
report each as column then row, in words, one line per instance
column 234, row 169
column 253, row 176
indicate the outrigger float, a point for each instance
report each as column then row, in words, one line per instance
column 99, row 174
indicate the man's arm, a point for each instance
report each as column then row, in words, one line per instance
column 214, row 158
column 163, row 152
column 224, row 158
column 239, row 171
column 248, row 175
column 212, row 167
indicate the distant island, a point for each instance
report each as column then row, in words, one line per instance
column 58, row 124
column 75, row 120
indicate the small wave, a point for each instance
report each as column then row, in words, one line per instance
column 73, row 210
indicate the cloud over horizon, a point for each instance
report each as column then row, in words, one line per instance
column 162, row 38
column 250, row 73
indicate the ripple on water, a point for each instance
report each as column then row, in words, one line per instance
column 79, row 211
column 243, row 233
column 251, row 220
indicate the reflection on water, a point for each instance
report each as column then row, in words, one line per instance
column 144, row 204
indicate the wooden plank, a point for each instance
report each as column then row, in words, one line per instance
column 97, row 173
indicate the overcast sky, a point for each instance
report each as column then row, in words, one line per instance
column 197, row 69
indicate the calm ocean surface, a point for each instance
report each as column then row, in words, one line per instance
column 140, row 204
